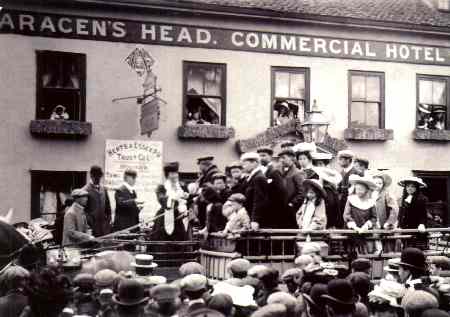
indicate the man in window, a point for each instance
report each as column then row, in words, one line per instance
column 76, row 228
column 98, row 209
column 128, row 206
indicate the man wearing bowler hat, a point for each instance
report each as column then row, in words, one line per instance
column 341, row 299
column 130, row 298
column 98, row 209
column 128, row 206
column 412, row 268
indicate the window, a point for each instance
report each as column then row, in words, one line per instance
column 432, row 102
column 49, row 190
column 204, row 93
column 290, row 94
column 443, row 5
column 366, row 104
column 61, row 86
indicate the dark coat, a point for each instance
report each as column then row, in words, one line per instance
column 12, row 305
column 98, row 210
column 239, row 187
column 208, row 175
column 127, row 212
column 332, row 207
column 159, row 233
column 10, row 241
column 257, row 193
column 277, row 196
column 412, row 215
column 216, row 221
column 293, row 180
column 224, row 194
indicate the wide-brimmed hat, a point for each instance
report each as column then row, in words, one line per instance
column 144, row 261
column 365, row 180
column 130, row 293
column 413, row 258
column 305, row 147
column 346, row 153
column 424, row 108
column 316, row 185
column 392, row 265
column 319, row 156
column 329, row 175
column 341, row 292
column 387, row 179
column 439, row 109
column 388, row 291
column 412, row 179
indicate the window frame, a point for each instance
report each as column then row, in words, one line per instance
column 382, row 107
column 81, row 59
column 223, row 89
column 446, row 79
column 35, row 186
column 292, row 70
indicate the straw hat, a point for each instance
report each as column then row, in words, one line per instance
column 412, row 179
column 365, row 180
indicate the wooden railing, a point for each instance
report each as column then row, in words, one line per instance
column 279, row 247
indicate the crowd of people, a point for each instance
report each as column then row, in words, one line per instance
column 412, row 286
column 295, row 189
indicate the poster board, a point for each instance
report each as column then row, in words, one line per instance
column 143, row 156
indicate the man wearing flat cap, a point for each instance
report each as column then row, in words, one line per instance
column 293, row 181
column 256, row 192
column 234, row 170
column 128, row 206
column 76, row 228
column 98, row 209
column 345, row 161
column 277, row 191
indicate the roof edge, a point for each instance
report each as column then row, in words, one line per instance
column 175, row 6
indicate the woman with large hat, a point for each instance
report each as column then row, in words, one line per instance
column 312, row 214
column 413, row 211
column 360, row 211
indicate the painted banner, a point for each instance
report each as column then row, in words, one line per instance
column 147, row 32
column 143, row 156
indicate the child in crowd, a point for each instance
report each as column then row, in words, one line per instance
column 360, row 210
column 312, row 214
column 236, row 214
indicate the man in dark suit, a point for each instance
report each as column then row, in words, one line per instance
column 207, row 169
column 128, row 206
column 293, row 180
column 238, row 179
column 277, row 191
column 345, row 160
column 98, row 209
column 256, row 192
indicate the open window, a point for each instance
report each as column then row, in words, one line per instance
column 290, row 94
column 61, row 85
column 432, row 103
column 204, row 94
column 50, row 189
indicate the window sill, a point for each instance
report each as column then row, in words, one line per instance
column 368, row 134
column 212, row 132
column 60, row 128
column 431, row 135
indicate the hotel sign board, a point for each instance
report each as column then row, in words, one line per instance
column 152, row 33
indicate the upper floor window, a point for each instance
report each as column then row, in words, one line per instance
column 366, row 99
column 432, row 102
column 204, row 93
column 61, row 86
column 290, row 94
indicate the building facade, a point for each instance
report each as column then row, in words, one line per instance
column 227, row 73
